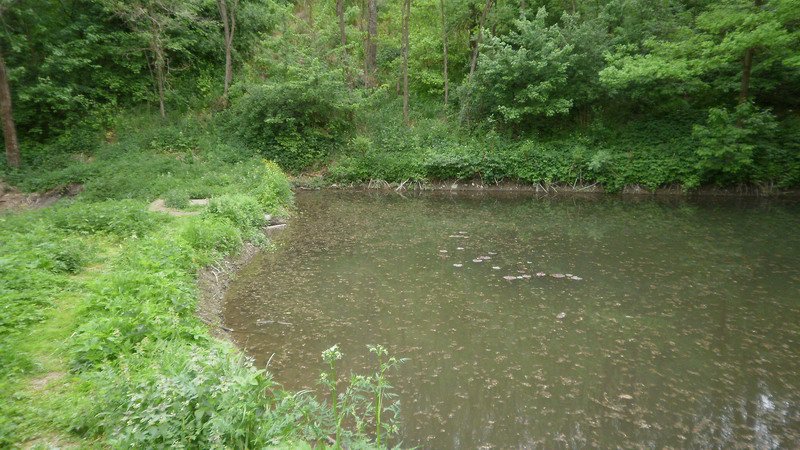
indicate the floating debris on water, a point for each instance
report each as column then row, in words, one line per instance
column 496, row 267
column 561, row 315
column 457, row 265
column 525, row 276
column 459, row 248
column 462, row 232
column 477, row 260
column 557, row 275
column 569, row 275
column 576, row 278
column 458, row 236
column 442, row 251
column 626, row 397
column 510, row 277
column 491, row 253
column 485, row 258
column 541, row 274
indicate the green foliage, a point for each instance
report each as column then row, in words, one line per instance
column 272, row 189
column 203, row 397
column 122, row 218
column 242, row 210
column 731, row 140
column 366, row 400
column 296, row 120
column 213, row 234
column 522, row 75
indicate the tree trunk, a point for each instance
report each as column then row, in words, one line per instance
column 160, row 73
column 6, row 113
column 343, row 38
column 747, row 67
column 228, row 29
column 474, row 60
column 406, row 18
column 371, row 57
column 444, row 53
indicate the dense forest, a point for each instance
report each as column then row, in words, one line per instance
column 613, row 92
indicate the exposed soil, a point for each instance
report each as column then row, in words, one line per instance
column 159, row 205
column 12, row 199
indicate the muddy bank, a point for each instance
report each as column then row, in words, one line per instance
column 544, row 188
column 213, row 281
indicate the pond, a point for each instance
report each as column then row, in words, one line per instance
column 676, row 321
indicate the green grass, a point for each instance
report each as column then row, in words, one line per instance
column 100, row 344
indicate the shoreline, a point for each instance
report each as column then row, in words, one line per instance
column 214, row 280
column 318, row 183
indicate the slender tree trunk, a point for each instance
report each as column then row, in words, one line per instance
column 406, row 19
column 747, row 67
column 370, row 59
column 474, row 60
column 444, row 53
column 160, row 72
column 228, row 29
column 7, row 116
column 343, row 38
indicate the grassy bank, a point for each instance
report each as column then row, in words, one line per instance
column 100, row 344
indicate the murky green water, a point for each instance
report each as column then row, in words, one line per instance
column 684, row 330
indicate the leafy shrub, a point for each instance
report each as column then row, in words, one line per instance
column 272, row 189
column 242, row 210
column 123, row 218
column 731, row 140
column 198, row 396
column 296, row 121
column 213, row 234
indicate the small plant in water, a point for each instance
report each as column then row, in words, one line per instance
column 364, row 401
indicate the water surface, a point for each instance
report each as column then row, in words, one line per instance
column 683, row 330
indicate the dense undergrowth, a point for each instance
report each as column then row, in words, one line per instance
column 136, row 368
column 649, row 152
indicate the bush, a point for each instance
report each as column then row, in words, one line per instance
column 295, row 121
column 242, row 210
column 731, row 140
column 213, row 234
column 272, row 190
column 200, row 397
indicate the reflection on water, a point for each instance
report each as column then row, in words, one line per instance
column 684, row 330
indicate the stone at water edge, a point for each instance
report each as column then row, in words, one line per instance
column 509, row 277
column 557, row 275
column 561, row 315
column 568, row 275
